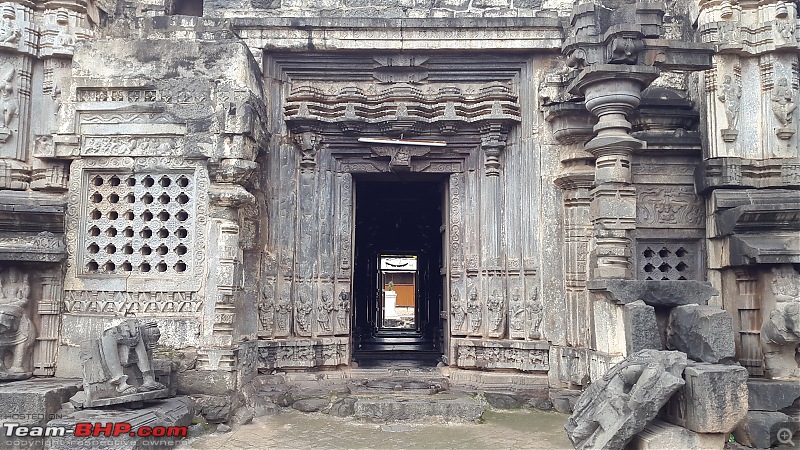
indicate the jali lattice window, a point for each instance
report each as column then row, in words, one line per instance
column 668, row 260
column 139, row 223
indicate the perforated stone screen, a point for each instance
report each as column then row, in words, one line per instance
column 139, row 223
column 668, row 260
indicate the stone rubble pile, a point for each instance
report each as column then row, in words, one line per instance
column 680, row 388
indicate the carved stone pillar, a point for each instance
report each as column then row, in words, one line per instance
column 612, row 92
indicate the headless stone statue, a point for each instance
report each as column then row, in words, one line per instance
column 118, row 366
column 17, row 333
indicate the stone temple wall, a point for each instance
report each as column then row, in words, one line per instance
column 384, row 9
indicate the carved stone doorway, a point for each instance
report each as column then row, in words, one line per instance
column 398, row 223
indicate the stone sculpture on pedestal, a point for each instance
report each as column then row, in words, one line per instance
column 612, row 410
column 17, row 333
column 780, row 333
column 118, row 366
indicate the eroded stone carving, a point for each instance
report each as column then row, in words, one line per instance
column 783, row 106
column 474, row 310
column 613, row 409
column 325, row 309
column 9, row 105
column 283, row 309
column 780, row 333
column 496, row 306
column 343, row 309
column 730, row 95
column 17, row 333
column 118, row 366
column 536, row 312
column 9, row 31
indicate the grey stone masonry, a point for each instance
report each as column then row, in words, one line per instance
column 713, row 400
column 772, row 395
column 704, row 333
column 661, row 435
column 641, row 328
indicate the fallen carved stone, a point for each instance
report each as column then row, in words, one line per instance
column 118, row 366
column 621, row 404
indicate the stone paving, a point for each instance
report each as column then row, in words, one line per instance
column 506, row 429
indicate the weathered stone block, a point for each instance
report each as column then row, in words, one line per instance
column 343, row 408
column 641, row 327
column 173, row 412
column 313, row 404
column 704, row 333
column 713, row 400
column 655, row 293
column 35, row 401
column 215, row 408
column 772, row 395
column 760, row 428
column 502, row 401
column 661, row 435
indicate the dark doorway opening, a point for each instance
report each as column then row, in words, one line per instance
column 397, row 283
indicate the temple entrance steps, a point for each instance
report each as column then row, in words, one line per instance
column 398, row 394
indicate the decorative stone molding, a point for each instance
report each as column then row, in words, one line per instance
column 747, row 173
column 502, row 354
column 303, row 353
column 400, row 108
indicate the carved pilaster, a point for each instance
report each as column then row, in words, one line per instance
column 49, row 310
column 493, row 143
column 309, row 143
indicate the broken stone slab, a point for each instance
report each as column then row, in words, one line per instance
column 660, row 435
column 704, row 333
column 35, row 401
column 407, row 408
column 760, row 428
column 344, row 407
column 641, row 327
column 215, row 408
column 668, row 293
column 773, row 395
column 313, row 404
column 172, row 412
column 713, row 400
column 502, row 401
column 619, row 405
